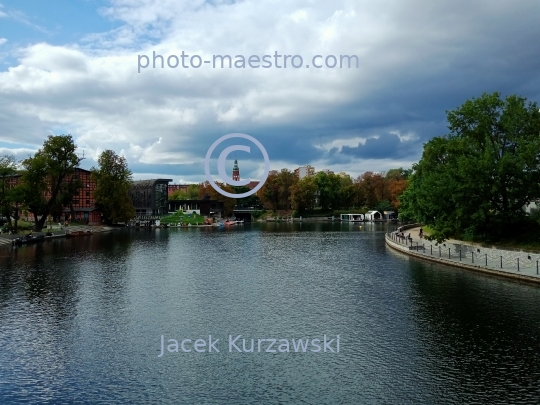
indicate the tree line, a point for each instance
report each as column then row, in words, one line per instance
column 284, row 191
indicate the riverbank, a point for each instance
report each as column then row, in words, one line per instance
column 6, row 240
column 515, row 264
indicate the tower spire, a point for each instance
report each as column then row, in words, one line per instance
column 236, row 171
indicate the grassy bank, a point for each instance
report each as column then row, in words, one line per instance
column 184, row 218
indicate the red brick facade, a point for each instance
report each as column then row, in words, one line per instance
column 84, row 204
column 171, row 188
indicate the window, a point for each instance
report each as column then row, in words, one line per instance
column 75, row 202
column 88, row 193
column 88, row 201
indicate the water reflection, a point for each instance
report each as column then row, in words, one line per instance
column 479, row 331
column 81, row 320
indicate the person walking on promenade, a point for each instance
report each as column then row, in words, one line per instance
column 421, row 233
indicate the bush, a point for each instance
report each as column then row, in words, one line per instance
column 258, row 214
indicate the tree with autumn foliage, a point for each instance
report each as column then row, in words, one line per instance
column 396, row 180
column 277, row 190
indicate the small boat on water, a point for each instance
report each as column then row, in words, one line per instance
column 78, row 233
column 29, row 239
column 233, row 223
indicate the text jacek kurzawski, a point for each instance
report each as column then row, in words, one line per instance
column 239, row 344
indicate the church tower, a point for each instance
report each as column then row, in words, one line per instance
column 235, row 171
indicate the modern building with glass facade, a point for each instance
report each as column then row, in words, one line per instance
column 150, row 197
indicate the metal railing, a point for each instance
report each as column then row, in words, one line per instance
column 519, row 261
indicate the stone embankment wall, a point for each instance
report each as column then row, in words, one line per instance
column 505, row 263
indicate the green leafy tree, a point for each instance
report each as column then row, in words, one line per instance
column 43, row 176
column 347, row 192
column 249, row 201
column 384, row 205
column 398, row 174
column 303, row 195
column 8, row 167
column 179, row 195
column 474, row 182
column 329, row 188
column 113, row 181
column 193, row 191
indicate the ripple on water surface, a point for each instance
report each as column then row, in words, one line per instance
column 81, row 321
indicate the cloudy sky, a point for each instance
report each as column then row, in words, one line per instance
column 71, row 66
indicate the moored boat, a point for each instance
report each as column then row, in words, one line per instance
column 29, row 239
column 78, row 233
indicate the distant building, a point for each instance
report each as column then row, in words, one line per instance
column 304, row 171
column 252, row 184
column 150, row 197
column 236, row 171
column 326, row 171
column 273, row 173
column 171, row 188
column 343, row 174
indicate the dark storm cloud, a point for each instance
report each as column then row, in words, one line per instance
column 386, row 146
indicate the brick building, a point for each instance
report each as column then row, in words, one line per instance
column 171, row 188
column 83, row 203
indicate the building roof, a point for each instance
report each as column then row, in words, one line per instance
column 138, row 184
column 253, row 184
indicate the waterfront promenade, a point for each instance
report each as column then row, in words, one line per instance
column 516, row 264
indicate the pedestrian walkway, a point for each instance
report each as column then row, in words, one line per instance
column 515, row 263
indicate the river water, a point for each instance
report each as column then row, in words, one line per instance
column 81, row 321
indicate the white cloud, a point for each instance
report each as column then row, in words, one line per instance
column 409, row 52
column 3, row 41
